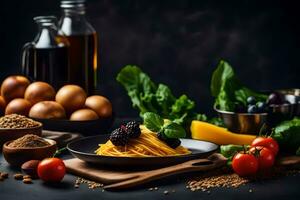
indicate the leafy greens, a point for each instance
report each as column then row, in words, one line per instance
column 287, row 134
column 229, row 151
column 169, row 129
column 149, row 97
column 227, row 89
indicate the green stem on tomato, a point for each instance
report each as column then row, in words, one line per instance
column 59, row 151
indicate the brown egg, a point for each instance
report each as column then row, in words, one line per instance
column 14, row 87
column 84, row 115
column 2, row 105
column 18, row 106
column 100, row 105
column 39, row 91
column 47, row 110
column 71, row 97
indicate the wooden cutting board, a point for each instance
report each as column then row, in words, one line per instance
column 115, row 179
column 62, row 138
column 288, row 161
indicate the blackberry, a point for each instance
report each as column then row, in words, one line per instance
column 133, row 129
column 171, row 142
column 161, row 136
column 119, row 137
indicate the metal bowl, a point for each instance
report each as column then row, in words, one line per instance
column 251, row 123
column 279, row 113
column 243, row 122
column 292, row 96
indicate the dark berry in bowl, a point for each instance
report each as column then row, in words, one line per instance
column 275, row 99
column 240, row 108
column 252, row 109
column 251, row 100
column 119, row 137
column 261, row 106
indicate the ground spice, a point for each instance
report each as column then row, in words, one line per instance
column 16, row 121
column 29, row 141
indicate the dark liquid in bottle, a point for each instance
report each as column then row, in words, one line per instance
column 83, row 61
column 49, row 65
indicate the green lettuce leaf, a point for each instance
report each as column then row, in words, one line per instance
column 146, row 96
column 287, row 134
column 227, row 89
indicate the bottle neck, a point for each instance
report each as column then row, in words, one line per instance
column 73, row 20
column 74, row 12
column 50, row 27
column 46, row 37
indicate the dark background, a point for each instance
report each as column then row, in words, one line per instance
column 177, row 42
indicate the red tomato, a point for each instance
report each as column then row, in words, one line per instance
column 51, row 170
column 244, row 164
column 268, row 142
column 266, row 157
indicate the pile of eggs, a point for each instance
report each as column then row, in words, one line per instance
column 39, row 100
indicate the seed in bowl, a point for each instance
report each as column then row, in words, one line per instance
column 16, row 121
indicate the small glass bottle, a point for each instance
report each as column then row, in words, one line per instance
column 46, row 57
column 83, row 44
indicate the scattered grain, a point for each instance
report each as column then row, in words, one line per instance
column 18, row 176
column 27, row 180
column 90, row 184
column 4, row 175
column 26, row 176
column 227, row 179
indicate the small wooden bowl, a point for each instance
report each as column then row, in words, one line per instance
column 17, row 156
column 7, row 134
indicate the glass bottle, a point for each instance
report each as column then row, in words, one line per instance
column 46, row 57
column 83, row 44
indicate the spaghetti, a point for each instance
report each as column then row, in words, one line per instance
column 147, row 145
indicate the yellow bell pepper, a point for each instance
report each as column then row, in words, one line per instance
column 218, row 135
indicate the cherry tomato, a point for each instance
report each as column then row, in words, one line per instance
column 268, row 142
column 51, row 170
column 265, row 158
column 244, row 164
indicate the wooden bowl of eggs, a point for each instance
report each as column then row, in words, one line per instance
column 70, row 109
